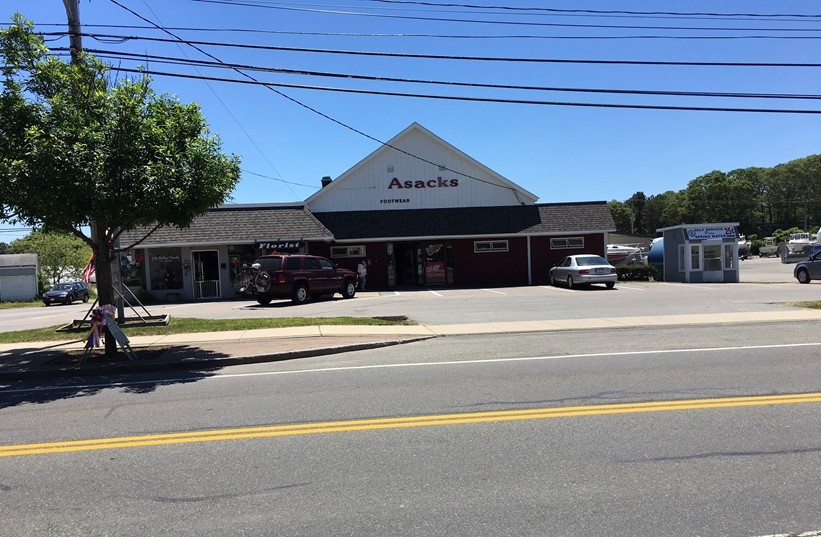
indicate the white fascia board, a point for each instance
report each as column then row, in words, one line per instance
column 471, row 237
column 688, row 226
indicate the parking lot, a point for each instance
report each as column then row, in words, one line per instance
column 766, row 285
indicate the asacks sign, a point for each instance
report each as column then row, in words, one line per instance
column 431, row 183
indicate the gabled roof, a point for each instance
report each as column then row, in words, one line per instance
column 541, row 219
column 237, row 224
column 396, row 141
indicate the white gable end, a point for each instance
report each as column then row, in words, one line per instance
column 417, row 170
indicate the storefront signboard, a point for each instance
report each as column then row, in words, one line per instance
column 706, row 233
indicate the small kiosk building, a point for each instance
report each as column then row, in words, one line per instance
column 701, row 253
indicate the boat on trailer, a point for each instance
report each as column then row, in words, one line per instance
column 624, row 254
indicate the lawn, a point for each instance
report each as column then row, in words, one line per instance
column 185, row 325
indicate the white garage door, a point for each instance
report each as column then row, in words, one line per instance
column 15, row 288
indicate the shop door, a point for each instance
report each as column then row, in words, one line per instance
column 206, row 274
column 713, row 270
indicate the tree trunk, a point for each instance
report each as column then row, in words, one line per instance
column 105, row 282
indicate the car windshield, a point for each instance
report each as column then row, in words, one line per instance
column 62, row 287
column 592, row 260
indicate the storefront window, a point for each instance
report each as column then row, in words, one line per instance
column 237, row 255
column 435, row 265
column 132, row 268
column 166, row 268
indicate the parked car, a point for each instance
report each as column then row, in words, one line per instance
column 583, row 269
column 66, row 292
column 809, row 269
column 302, row 277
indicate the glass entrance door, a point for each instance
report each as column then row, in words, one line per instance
column 206, row 274
column 713, row 270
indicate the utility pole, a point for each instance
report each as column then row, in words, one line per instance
column 74, row 33
column 98, row 235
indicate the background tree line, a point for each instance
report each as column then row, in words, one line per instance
column 761, row 200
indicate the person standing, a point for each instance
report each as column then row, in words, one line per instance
column 362, row 270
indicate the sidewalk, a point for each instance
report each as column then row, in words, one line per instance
column 21, row 361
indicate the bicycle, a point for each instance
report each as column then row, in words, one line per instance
column 252, row 280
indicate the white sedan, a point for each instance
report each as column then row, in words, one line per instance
column 583, row 269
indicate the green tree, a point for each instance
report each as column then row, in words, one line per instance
column 59, row 255
column 84, row 155
column 622, row 216
column 636, row 203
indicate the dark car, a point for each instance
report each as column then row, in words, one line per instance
column 808, row 269
column 301, row 277
column 66, row 293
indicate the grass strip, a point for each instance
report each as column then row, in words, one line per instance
column 188, row 325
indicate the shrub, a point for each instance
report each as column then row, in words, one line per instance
column 636, row 272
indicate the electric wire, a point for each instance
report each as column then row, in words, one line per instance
column 314, row 110
column 495, row 22
column 349, row 76
column 501, row 59
column 274, row 85
column 435, row 36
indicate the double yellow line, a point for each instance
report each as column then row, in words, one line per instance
column 399, row 423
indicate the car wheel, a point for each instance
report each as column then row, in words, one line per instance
column 300, row 295
column 570, row 282
column 552, row 279
column 349, row 290
column 69, row 299
column 610, row 285
column 803, row 276
column 85, row 298
column 47, row 303
column 263, row 300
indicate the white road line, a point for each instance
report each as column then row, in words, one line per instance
column 434, row 292
column 485, row 361
column 805, row 534
column 563, row 289
column 630, row 288
column 494, row 291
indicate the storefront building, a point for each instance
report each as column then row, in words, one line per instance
column 417, row 210
column 701, row 253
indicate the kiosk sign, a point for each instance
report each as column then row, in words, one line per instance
column 705, row 233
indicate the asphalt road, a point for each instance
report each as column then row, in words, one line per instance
column 437, row 461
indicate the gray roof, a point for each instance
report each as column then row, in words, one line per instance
column 541, row 219
column 248, row 224
column 239, row 224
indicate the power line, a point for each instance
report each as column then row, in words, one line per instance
column 435, row 36
column 224, row 65
column 272, row 85
column 495, row 22
column 596, row 11
column 454, row 57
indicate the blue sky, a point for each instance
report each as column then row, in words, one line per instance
column 559, row 153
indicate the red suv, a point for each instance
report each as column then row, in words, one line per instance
column 300, row 277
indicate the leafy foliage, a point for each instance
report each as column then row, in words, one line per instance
column 785, row 196
column 60, row 256
column 83, row 155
